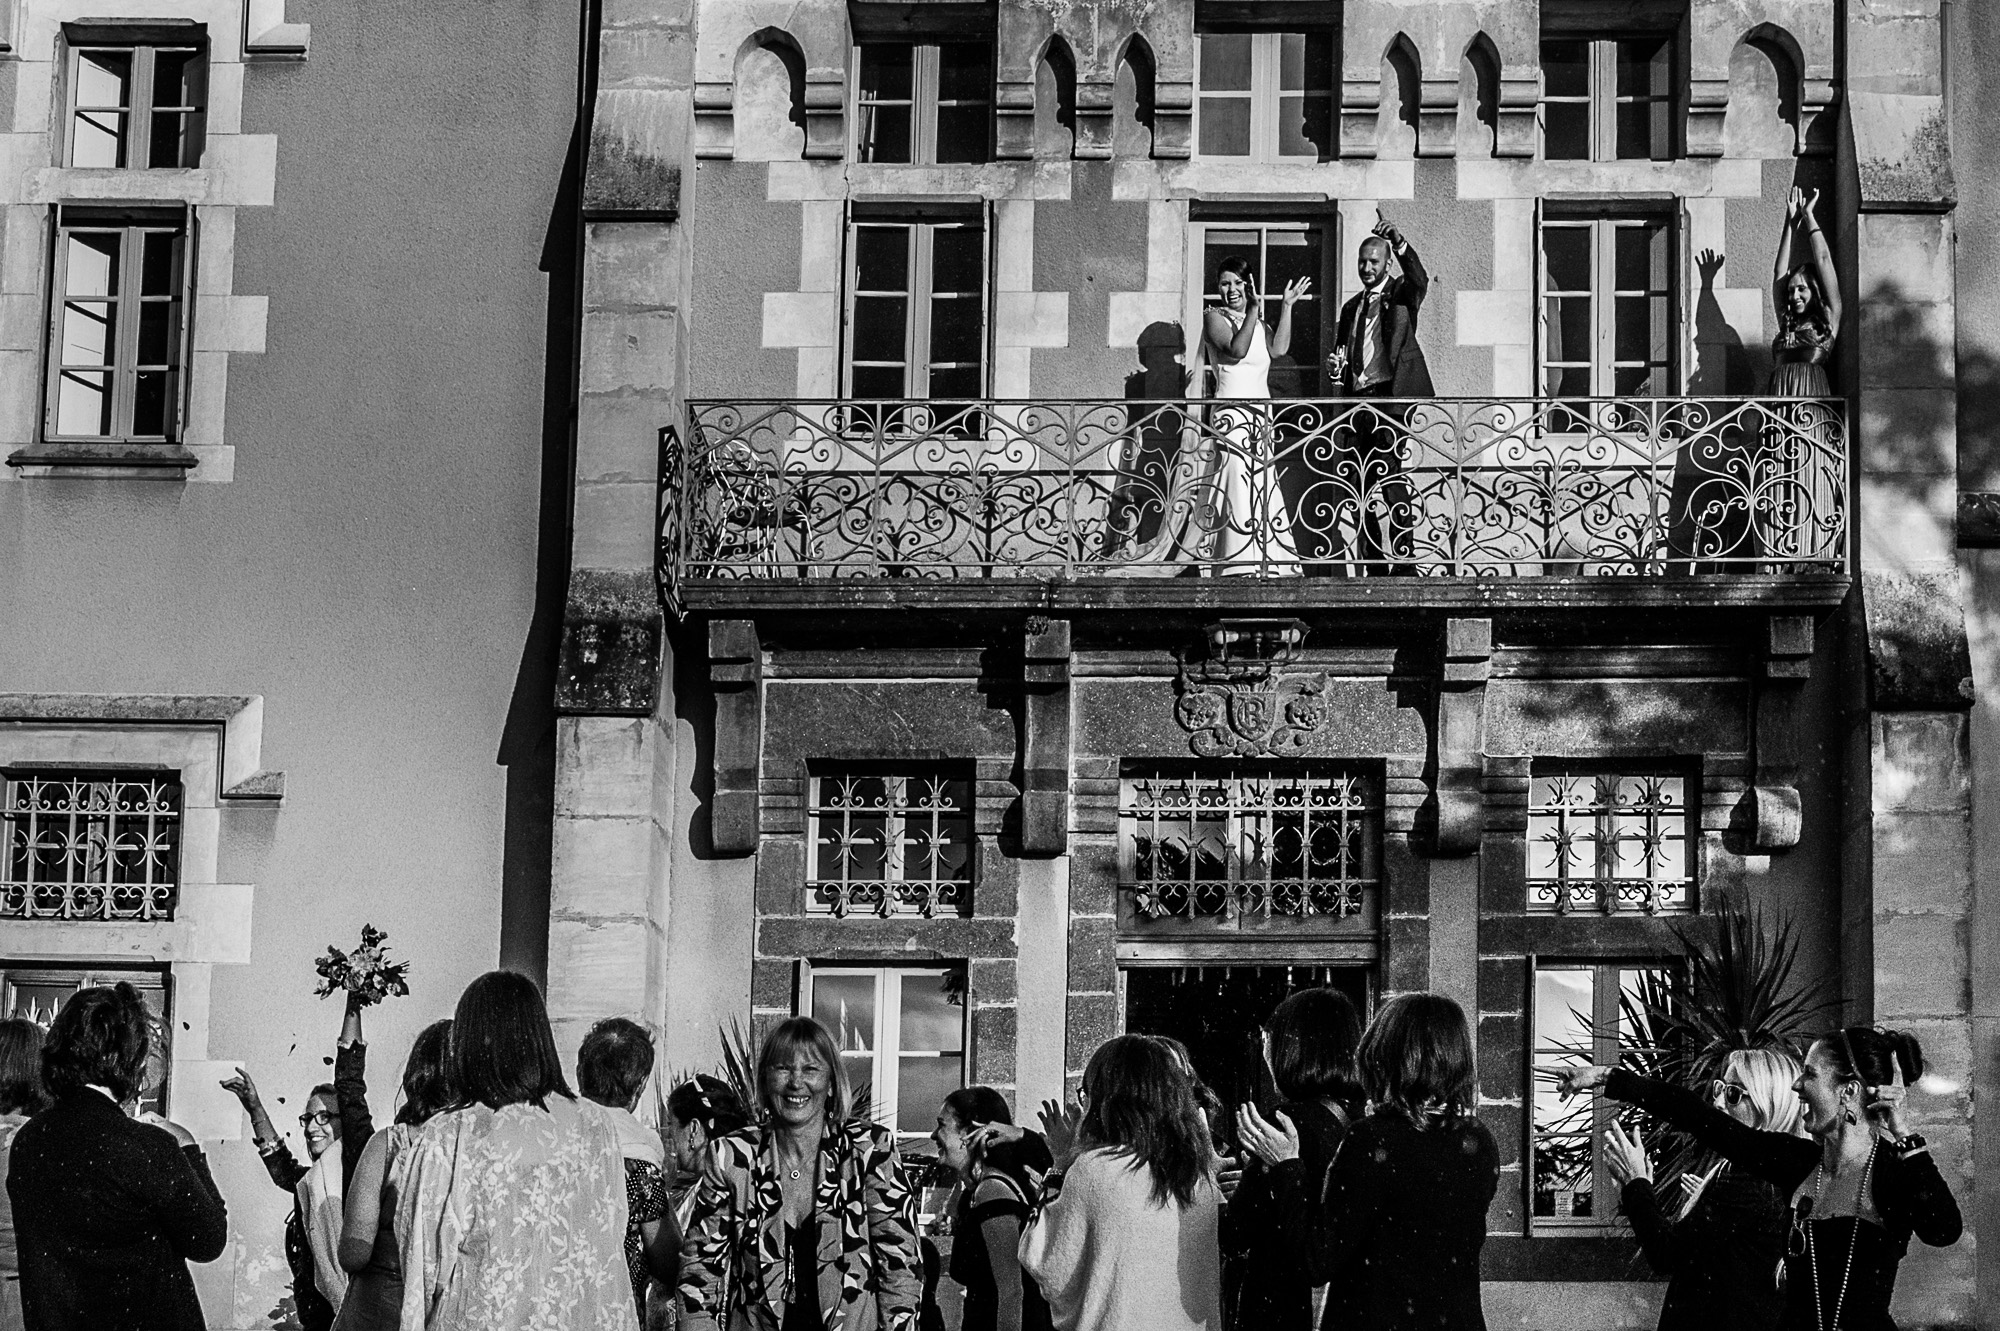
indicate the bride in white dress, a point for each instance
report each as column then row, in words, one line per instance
column 1252, row 532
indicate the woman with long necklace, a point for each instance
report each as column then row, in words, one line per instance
column 804, row 1221
column 1858, row 1189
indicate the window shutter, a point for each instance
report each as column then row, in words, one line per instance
column 181, row 381
column 1539, row 388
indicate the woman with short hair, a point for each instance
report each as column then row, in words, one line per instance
column 512, row 1210
column 369, row 1249
column 1309, row 1044
column 611, row 1069
column 1721, row 1248
column 1859, row 1188
column 1396, row 1230
column 22, row 1096
column 108, row 1209
column 1126, row 1235
column 805, row 1221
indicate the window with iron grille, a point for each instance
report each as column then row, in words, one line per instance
column 1223, row 843
column 90, row 845
column 891, row 843
column 1611, row 843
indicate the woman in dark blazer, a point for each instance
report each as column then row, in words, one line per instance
column 108, row 1209
column 1310, row 1047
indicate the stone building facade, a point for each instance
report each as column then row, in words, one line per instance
column 896, row 689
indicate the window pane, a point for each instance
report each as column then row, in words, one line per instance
column 1566, row 69
column 1570, row 337
column 104, row 78
column 877, row 381
column 149, row 403
column 164, row 148
column 1633, row 259
column 958, row 254
column 886, row 71
column 1644, row 67
column 1633, row 381
column 879, row 327
column 91, row 267
column 963, row 133
column 882, row 258
column 1639, row 131
column 963, row 72
column 88, row 336
column 174, row 78
column 931, row 1020
column 83, row 403
column 157, row 269
column 1634, row 319
column 1225, row 127
column 98, row 139
column 1566, row 381
column 956, row 334
column 922, row 1086
column 156, row 321
column 885, row 134
column 1564, row 1000
column 1225, row 61
column 1566, row 131
column 956, row 383
column 1305, row 127
column 1566, row 258
column 845, row 1005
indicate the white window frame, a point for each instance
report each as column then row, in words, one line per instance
column 918, row 294
column 137, row 140
column 925, row 100
column 1323, row 305
column 886, row 1082
column 132, row 225
column 1602, row 225
column 1545, row 1063
column 1604, row 99
column 1266, row 94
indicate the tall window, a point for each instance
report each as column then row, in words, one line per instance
column 924, row 104
column 1608, row 316
column 1237, row 843
column 1608, row 98
column 1608, row 843
column 916, row 307
column 1264, row 96
column 118, row 341
column 1585, row 1013
column 1279, row 252
column 891, row 844
column 90, row 845
column 137, row 106
column 901, row 1033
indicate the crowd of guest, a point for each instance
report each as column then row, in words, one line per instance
column 501, row 1199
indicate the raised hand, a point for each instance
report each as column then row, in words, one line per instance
column 988, row 1135
column 1885, row 1104
column 1809, row 206
column 239, row 1085
column 1063, row 1126
column 1269, row 1142
column 1296, row 288
column 1625, row 1155
column 1387, row 230
column 1709, row 264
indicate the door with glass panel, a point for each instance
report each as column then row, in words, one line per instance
column 901, row 1035
column 1277, row 251
column 1608, row 312
column 916, row 306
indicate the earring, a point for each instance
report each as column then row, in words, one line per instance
column 1848, row 1114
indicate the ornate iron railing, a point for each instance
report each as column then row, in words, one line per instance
column 1453, row 487
column 89, row 845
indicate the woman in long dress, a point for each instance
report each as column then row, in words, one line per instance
column 1798, row 513
column 1244, row 508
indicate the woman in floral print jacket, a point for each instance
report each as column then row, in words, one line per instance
column 806, row 1221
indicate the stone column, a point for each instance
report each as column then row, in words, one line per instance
column 1906, row 923
column 617, row 809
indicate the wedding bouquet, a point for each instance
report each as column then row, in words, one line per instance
column 366, row 973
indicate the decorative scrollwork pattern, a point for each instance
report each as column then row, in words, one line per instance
column 1228, row 843
column 90, row 846
column 1609, row 843
column 1447, row 487
column 891, row 844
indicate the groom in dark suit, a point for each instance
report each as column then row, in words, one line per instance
column 1376, row 354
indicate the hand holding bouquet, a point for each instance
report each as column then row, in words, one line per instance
column 366, row 974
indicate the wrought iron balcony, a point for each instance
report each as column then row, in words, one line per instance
column 1020, row 498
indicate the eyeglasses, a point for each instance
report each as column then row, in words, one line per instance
column 1732, row 1093
column 317, row 1118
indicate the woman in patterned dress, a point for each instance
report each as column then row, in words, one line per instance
column 805, row 1221
column 511, row 1215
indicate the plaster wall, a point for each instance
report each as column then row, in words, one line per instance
column 371, row 571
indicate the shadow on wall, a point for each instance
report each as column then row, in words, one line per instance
column 528, row 739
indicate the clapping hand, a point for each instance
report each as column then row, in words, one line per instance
column 1063, row 1126
column 1625, row 1155
column 1268, row 1141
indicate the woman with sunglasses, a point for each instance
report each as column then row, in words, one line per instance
column 336, row 1113
column 1857, row 1190
column 1721, row 1247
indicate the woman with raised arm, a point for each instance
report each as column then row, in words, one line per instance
column 1726, row 1238
column 1859, row 1187
column 996, row 1189
column 1395, row 1232
column 1125, row 1238
column 1243, row 510
column 805, row 1221
column 1808, row 301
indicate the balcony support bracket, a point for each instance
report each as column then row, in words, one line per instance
column 1460, row 735
column 1774, row 791
column 736, row 672
column 1045, row 737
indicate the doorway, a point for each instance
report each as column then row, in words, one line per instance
column 1218, row 1012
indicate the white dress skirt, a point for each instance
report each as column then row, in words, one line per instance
column 1249, row 528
